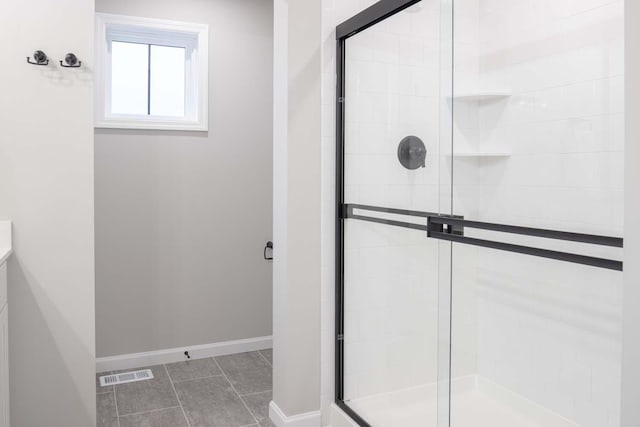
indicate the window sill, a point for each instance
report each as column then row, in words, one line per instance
column 152, row 125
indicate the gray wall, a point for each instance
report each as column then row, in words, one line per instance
column 46, row 189
column 182, row 217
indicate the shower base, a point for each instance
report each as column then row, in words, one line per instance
column 475, row 402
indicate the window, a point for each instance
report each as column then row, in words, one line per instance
column 151, row 74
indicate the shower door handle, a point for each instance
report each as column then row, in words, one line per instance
column 452, row 228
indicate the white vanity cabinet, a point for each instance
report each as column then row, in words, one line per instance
column 5, row 252
column 4, row 350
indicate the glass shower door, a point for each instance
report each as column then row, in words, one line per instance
column 538, row 142
column 394, row 137
column 479, row 209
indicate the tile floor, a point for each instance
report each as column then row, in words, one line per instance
column 224, row 391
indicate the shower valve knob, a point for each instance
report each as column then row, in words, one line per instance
column 412, row 153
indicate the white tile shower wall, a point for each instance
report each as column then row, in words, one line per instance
column 466, row 178
column 547, row 330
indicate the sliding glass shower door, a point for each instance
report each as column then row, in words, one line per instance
column 539, row 143
column 479, row 213
column 394, row 141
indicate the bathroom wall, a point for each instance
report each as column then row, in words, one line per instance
column 630, row 410
column 297, row 262
column 46, row 189
column 182, row 217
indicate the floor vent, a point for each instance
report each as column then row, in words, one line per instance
column 126, row 377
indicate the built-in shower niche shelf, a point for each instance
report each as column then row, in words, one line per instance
column 482, row 95
column 485, row 154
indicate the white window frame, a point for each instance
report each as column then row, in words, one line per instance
column 193, row 37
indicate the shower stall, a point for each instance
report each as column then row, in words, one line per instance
column 479, row 205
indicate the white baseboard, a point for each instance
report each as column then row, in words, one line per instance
column 150, row 358
column 308, row 419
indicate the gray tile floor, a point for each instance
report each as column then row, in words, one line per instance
column 224, row 391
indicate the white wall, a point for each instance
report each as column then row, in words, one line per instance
column 46, row 189
column 630, row 416
column 182, row 217
column 297, row 186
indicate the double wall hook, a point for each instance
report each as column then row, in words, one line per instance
column 71, row 60
column 40, row 58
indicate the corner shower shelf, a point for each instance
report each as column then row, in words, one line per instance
column 485, row 95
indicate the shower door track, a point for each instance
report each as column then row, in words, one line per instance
column 441, row 227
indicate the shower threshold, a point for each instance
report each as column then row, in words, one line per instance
column 475, row 402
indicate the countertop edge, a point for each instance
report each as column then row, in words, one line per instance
column 6, row 248
column 5, row 253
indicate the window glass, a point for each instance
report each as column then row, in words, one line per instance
column 129, row 78
column 167, row 66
